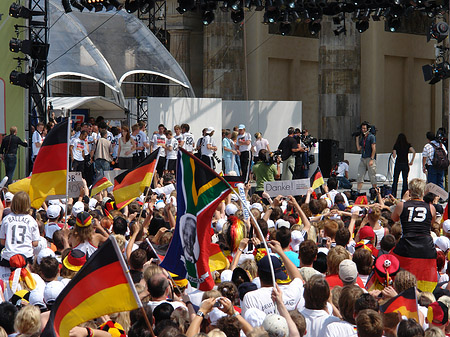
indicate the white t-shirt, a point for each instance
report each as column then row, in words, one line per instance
column 342, row 168
column 332, row 194
column 317, row 321
column 174, row 304
column 37, row 138
column 188, row 142
column 18, row 231
column 79, row 149
column 141, row 140
column 50, row 229
column 174, row 143
column 340, row 329
column 109, row 135
column 207, row 140
column 158, row 141
column 115, row 145
column 262, row 297
column 260, row 144
column 245, row 136
column 179, row 138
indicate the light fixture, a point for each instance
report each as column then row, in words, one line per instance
column 131, row 6
column 338, row 31
column 272, row 16
column 21, row 79
column 285, row 28
column 183, row 6
column 436, row 72
column 377, row 15
column 146, row 6
column 18, row 11
column 393, row 24
column 87, row 4
column 438, row 31
column 77, row 5
column 314, row 27
column 36, row 50
column 237, row 16
column 207, row 17
column 362, row 25
column 66, row 6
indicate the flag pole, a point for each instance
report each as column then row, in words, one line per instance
column 130, row 282
column 244, row 203
column 67, row 163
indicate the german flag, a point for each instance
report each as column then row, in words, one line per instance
column 100, row 185
column 130, row 184
column 49, row 174
column 404, row 303
column 234, row 181
column 199, row 191
column 102, row 286
column 317, row 179
column 20, row 185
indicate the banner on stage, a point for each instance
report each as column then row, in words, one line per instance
column 287, row 187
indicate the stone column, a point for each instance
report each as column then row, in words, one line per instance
column 339, row 83
column 223, row 58
column 180, row 48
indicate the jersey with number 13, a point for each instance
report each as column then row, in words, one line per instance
column 416, row 218
column 18, row 231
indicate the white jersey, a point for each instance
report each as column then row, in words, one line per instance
column 115, row 145
column 207, row 140
column 342, row 168
column 141, row 140
column 109, row 135
column 79, row 149
column 37, row 138
column 179, row 138
column 158, row 141
column 188, row 142
column 18, row 231
column 174, row 143
column 245, row 136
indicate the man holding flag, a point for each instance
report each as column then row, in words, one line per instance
column 199, row 191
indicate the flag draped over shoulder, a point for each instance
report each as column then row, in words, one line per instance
column 317, row 179
column 100, row 185
column 199, row 191
column 102, row 286
column 49, row 174
column 130, row 184
column 404, row 303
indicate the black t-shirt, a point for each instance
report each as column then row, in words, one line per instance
column 416, row 218
column 10, row 144
column 402, row 153
column 286, row 146
column 155, row 224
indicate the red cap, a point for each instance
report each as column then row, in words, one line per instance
column 366, row 233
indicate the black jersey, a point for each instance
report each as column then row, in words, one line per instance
column 416, row 218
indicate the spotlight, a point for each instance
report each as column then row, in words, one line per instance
column 272, row 16
column 87, row 5
column 362, row 25
column 337, row 19
column 377, row 15
column 21, row 79
column 285, row 28
column 237, row 16
column 438, row 31
column 394, row 24
column 291, row 4
column 314, row 27
column 77, row 5
column 146, row 6
column 98, row 7
column 236, row 5
column 131, row 6
column 18, row 11
column 115, row 3
column 207, row 17
column 184, row 6
column 66, row 6
column 436, row 72
column 36, row 50
column 339, row 30
column 296, row 17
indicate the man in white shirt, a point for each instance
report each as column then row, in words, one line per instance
column 159, row 288
column 159, row 140
column 434, row 174
column 188, row 138
column 143, row 141
column 78, row 150
column 37, row 139
column 292, row 292
column 208, row 147
column 244, row 141
column 342, row 175
column 332, row 192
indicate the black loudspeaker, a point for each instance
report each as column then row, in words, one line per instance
column 328, row 155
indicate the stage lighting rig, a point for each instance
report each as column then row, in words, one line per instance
column 440, row 70
column 438, row 31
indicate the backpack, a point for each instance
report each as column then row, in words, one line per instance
column 440, row 159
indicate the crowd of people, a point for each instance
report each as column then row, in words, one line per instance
column 334, row 259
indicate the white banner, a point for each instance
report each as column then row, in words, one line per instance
column 287, row 187
column 75, row 184
column 436, row 190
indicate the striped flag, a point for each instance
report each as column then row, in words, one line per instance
column 130, row 184
column 199, row 192
column 404, row 303
column 102, row 286
column 317, row 179
column 100, row 185
column 20, row 185
column 49, row 174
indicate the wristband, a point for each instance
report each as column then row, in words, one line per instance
column 200, row 313
column 235, row 314
column 90, row 333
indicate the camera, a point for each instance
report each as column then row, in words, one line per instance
column 271, row 157
column 308, row 140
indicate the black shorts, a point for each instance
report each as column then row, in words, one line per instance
column 171, row 165
column 161, row 165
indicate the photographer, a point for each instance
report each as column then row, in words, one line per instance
column 366, row 143
column 289, row 147
column 267, row 168
column 306, row 141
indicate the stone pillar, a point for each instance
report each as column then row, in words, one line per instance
column 339, row 83
column 223, row 58
column 180, row 43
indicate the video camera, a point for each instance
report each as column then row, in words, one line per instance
column 271, row 157
column 358, row 133
column 308, row 140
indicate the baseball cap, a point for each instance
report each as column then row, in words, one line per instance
column 52, row 290
column 446, row 226
column 210, row 129
column 231, row 209
column 74, row 260
column 366, row 233
column 77, row 208
column 282, row 223
column 258, row 206
column 348, row 271
column 215, row 315
column 241, row 126
column 356, row 209
column 160, row 204
column 234, row 197
column 92, row 203
column 264, row 266
column 443, row 243
column 246, row 287
column 9, row 196
column 276, row 326
column 437, row 313
column 53, row 211
column 296, row 239
column 254, row 316
column 226, row 275
column 45, row 253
